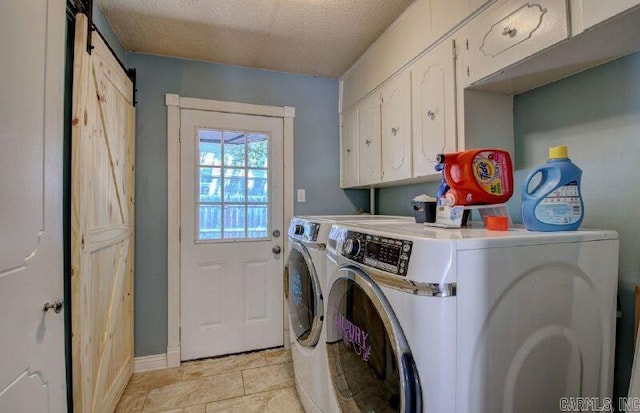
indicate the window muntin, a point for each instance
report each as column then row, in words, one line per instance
column 232, row 201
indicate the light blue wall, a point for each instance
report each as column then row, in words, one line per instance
column 316, row 146
column 104, row 27
column 597, row 114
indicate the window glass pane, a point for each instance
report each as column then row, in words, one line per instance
column 209, row 220
column 234, row 185
column 210, row 147
column 257, row 221
column 257, row 186
column 234, row 221
column 234, row 144
column 258, row 150
column 210, row 187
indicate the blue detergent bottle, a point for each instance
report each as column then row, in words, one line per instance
column 555, row 203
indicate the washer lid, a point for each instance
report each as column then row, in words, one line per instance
column 304, row 296
column 370, row 362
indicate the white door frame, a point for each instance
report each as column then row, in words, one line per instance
column 174, row 104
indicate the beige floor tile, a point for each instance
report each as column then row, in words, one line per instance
column 277, row 401
column 278, row 356
column 155, row 379
column 268, row 378
column 131, row 401
column 194, row 392
column 211, row 367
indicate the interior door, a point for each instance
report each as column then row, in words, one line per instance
column 231, row 233
column 32, row 369
column 102, row 185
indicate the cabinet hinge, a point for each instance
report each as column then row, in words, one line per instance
column 179, row 234
column 467, row 44
column 468, row 71
column 180, row 135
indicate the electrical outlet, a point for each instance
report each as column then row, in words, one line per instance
column 302, row 196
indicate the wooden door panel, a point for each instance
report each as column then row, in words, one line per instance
column 102, row 226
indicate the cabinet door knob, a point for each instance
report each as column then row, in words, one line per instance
column 431, row 115
column 348, row 150
column 368, row 142
column 509, row 32
column 394, row 131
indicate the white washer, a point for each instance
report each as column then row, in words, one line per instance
column 306, row 281
column 469, row 320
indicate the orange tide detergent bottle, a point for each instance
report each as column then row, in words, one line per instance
column 477, row 177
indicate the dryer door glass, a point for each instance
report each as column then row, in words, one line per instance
column 304, row 298
column 370, row 363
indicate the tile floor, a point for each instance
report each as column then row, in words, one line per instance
column 253, row 382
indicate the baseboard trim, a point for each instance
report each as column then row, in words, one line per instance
column 173, row 357
column 148, row 363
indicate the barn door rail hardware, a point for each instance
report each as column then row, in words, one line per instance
column 85, row 7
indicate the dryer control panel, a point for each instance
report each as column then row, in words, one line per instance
column 304, row 230
column 386, row 254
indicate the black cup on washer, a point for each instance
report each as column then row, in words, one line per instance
column 424, row 211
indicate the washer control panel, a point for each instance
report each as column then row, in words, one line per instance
column 304, row 230
column 386, row 254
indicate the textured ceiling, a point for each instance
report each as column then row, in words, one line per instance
column 318, row 37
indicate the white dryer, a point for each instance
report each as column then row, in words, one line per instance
column 304, row 286
column 469, row 320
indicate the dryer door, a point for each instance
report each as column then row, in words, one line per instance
column 304, row 296
column 370, row 362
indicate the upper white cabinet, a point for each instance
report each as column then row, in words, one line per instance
column 593, row 12
column 446, row 14
column 349, row 150
column 434, row 108
column 369, row 146
column 405, row 39
column 396, row 128
column 508, row 32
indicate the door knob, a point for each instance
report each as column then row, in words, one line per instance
column 276, row 250
column 56, row 306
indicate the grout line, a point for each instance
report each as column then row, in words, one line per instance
column 244, row 388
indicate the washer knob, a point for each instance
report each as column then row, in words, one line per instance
column 351, row 247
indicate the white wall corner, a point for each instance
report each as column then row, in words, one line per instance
column 171, row 99
column 173, row 357
column 289, row 112
column 148, row 363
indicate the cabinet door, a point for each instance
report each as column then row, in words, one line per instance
column 396, row 128
column 447, row 14
column 369, row 141
column 597, row 11
column 349, row 150
column 434, row 108
column 509, row 32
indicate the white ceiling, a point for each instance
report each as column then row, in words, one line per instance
column 318, row 37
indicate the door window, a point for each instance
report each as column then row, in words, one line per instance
column 233, row 180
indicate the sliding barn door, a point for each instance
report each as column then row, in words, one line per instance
column 102, row 226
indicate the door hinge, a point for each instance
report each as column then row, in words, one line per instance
column 179, row 234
